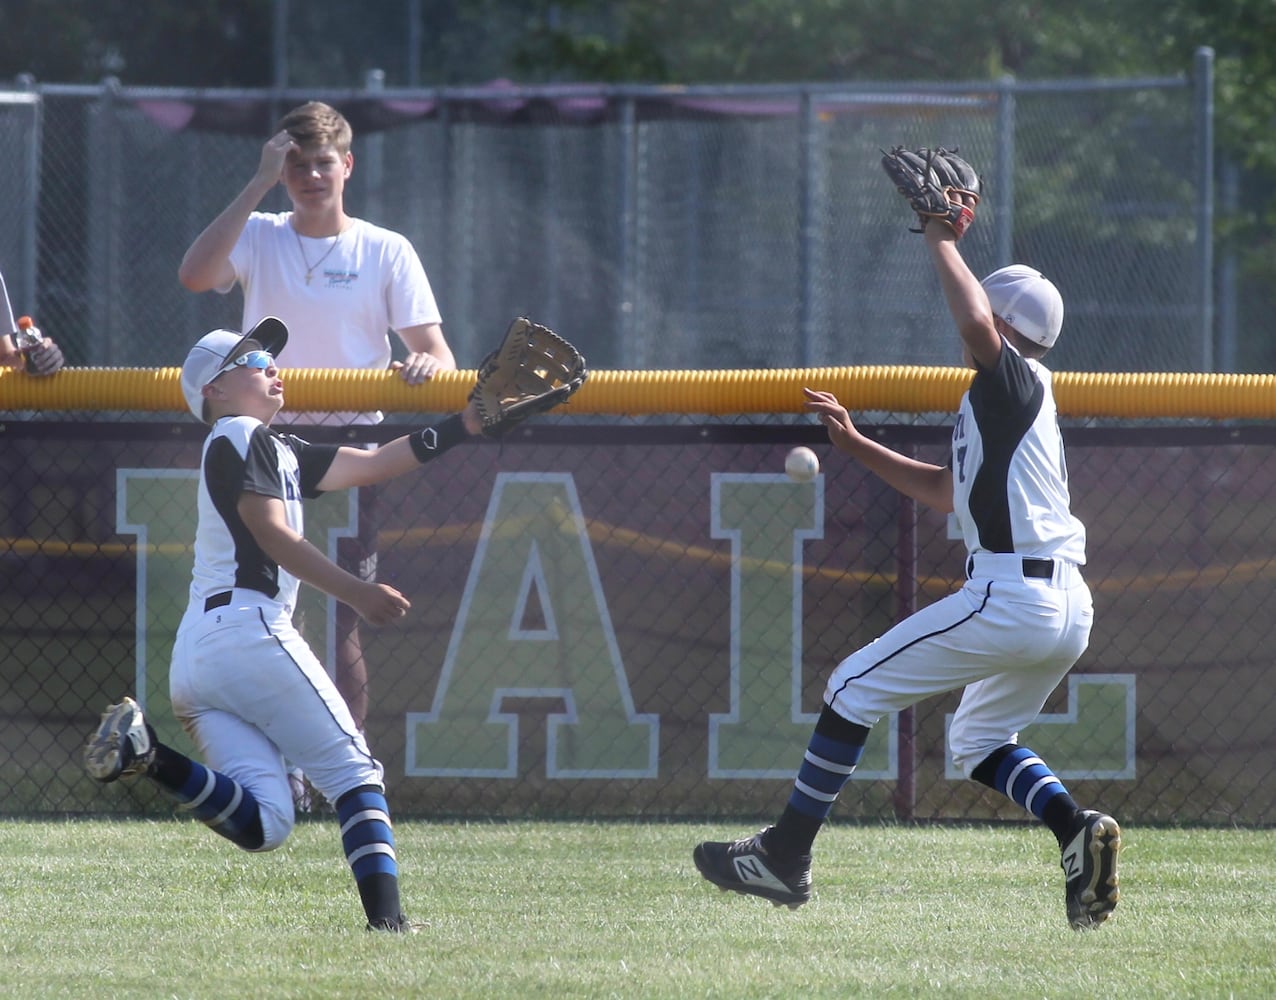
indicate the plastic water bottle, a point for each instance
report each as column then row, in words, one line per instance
column 28, row 335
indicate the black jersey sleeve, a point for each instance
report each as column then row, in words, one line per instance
column 261, row 466
column 1009, row 387
column 313, row 460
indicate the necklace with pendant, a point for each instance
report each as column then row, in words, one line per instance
column 310, row 268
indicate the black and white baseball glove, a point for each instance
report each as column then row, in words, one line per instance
column 937, row 184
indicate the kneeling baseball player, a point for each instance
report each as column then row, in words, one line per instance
column 244, row 684
column 1023, row 618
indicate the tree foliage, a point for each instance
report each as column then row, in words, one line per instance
column 201, row 43
column 764, row 41
column 210, row 43
column 761, row 41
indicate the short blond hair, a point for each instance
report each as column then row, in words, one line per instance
column 316, row 124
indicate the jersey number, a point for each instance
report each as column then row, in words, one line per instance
column 959, row 450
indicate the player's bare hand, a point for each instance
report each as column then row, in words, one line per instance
column 418, row 367
column 273, row 156
column 833, row 415
column 380, row 604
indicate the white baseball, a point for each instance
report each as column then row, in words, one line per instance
column 801, row 465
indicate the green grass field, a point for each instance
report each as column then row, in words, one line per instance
column 125, row 909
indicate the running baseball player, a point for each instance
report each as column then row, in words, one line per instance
column 244, row 684
column 1021, row 620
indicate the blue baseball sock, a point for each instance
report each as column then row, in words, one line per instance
column 368, row 840
column 1019, row 774
column 220, row 803
column 835, row 748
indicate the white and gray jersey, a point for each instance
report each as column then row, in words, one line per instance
column 242, row 454
column 1010, row 479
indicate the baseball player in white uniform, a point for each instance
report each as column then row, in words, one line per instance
column 244, row 684
column 1008, row 637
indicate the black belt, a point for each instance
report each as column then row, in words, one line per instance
column 222, row 599
column 1040, row 569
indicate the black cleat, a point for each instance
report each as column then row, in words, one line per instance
column 745, row 866
column 1089, row 865
column 393, row 925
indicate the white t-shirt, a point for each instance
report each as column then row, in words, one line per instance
column 363, row 284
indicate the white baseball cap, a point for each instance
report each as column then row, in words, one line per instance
column 1028, row 301
column 206, row 359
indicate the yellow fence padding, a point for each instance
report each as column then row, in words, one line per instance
column 898, row 389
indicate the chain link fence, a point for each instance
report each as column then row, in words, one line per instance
column 636, row 617
column 638, row 620
column 727, row 227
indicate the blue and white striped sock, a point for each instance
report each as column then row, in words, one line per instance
column 368, row 840
column 1024, row 777
column 831, row 756
column 826, row 767
column 222, row 804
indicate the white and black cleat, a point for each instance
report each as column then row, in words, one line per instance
column 745, row 866
column 1089, row 862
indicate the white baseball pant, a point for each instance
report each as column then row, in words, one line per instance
column 250, row 692
column 1007, row 638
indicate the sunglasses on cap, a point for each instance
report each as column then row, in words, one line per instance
column 252, row 359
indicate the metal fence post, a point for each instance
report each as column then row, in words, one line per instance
column 105, row 345
column 1229, row 196
column 905, row 795
column 808, row 201
column 1204, row 81
column 1004, row 192
column 29, row 254
column 626, row 319
column 374, row 160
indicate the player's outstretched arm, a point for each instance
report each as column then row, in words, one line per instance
column 356, row 467
column 966, row 298
column 266, row 519
column 925, row 483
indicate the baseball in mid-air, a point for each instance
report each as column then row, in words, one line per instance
column 801, row 465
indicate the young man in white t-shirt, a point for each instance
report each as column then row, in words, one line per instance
column 340, row 284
